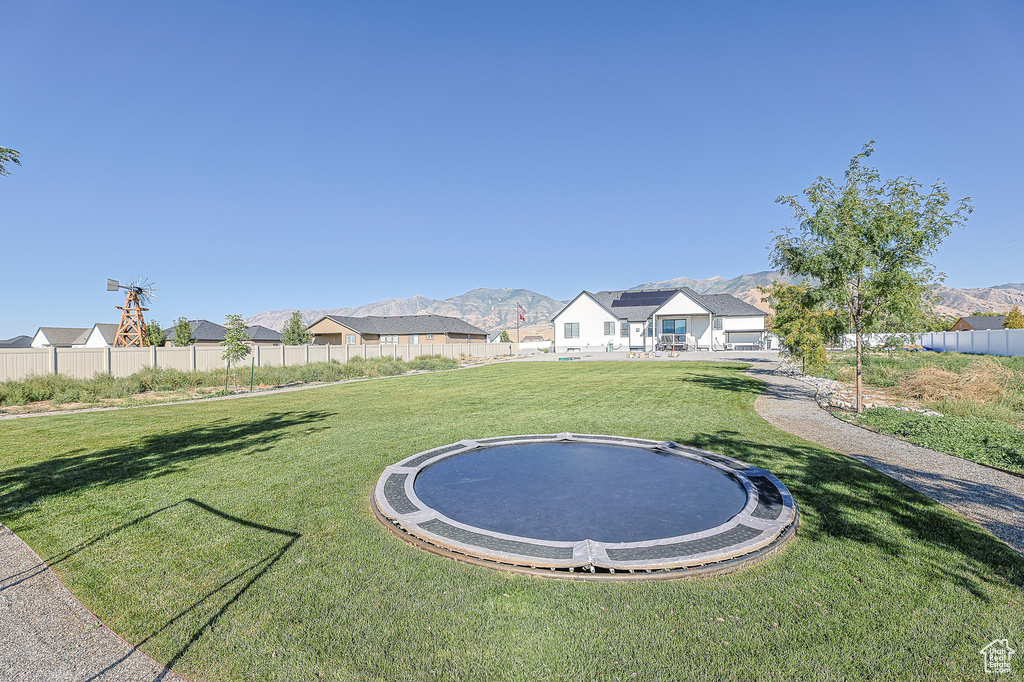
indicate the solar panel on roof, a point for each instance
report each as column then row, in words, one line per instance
column 642, row 298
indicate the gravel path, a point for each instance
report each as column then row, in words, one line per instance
column 46, row 635
column 991, row 498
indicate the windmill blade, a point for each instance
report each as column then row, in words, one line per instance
column 112, row 285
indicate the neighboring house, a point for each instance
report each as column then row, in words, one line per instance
column 397, row 329
column 970, row 324
column 100, row 336
column 22, row 341
column 530, row 338
column 650, row 319
column 208, row 333
column 60, row 337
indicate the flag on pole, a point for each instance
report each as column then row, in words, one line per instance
column 522, row 312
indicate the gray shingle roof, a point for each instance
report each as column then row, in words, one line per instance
column 17, row 342
column 65, row 336
column 204, row 330
column 985, row 321
column 618, row 303
column 406, row 324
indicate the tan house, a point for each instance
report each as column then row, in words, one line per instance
column 399, row 329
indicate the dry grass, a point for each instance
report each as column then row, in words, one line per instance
column 983, row 381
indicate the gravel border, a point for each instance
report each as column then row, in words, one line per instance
column 47, row 635
column 992, row 498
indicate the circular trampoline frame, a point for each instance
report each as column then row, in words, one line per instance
column 767, row 521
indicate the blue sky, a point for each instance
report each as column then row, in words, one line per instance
column 253, row 156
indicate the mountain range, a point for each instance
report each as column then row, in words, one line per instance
column 495, row 309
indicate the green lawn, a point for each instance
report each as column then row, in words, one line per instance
column 235, row 540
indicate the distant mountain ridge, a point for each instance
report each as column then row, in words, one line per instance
column 495, row 309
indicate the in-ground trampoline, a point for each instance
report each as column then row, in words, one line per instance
column 587, row 507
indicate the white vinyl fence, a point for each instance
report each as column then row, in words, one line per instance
column 84, row 363
column 985, row 342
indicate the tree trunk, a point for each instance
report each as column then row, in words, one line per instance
column 859, row 367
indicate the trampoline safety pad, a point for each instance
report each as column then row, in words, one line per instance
column 587, row 506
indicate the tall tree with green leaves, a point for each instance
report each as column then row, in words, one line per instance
column 235, row 343
column 295, row 333
column 8, row 156
column 157, row 336
column 802, row 322
column 183, row 333
column 867, row 243
column 504, row 336
column 1014, row 319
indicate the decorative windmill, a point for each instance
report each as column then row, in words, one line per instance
column 132, row 329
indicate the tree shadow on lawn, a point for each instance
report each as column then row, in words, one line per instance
column 243, row 580
column 156, row 455
column 841, row 496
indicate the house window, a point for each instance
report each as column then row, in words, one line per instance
column 624, row 330
column 673, row 327
column 389, row 339
column 609, row 329
column 718, row 323
column 350, row 339
column 572, row 330
column 414, row 339
column 650, row 328
column 430, row 337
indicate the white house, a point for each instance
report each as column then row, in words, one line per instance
column 100, row 336
column 59, row 337
column 651, row 319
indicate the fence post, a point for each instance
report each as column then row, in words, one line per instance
column 282, row 354
column 306, row 346
column 53, row 360
column 106, row 359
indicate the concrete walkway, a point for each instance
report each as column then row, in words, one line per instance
column 46, row 635
column 991, row 498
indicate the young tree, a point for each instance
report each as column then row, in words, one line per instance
column 8, row 156
column 295, row 331
column 802, row 322
column 157, row 336
column 183, row 333
column 505, row 337
column 1014, row 319
column 236, row 343
column 867, row 243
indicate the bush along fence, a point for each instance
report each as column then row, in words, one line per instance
column 984, row 342
column 85, row 363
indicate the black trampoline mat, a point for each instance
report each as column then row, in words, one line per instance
column 573, row 491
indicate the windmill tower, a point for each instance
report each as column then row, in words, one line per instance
column 131, row 332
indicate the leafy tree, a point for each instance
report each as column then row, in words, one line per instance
column 1014, row 319
column 183, row 333
column 8, row 156
column 236, row 343
column 295, row 331
column 157, row 336
column 802, row 322
column 867, row 243
column 505, row 337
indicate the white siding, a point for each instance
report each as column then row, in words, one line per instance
column 751, row 322
column 591, row 317
column 95, row 339
column 681, row 305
